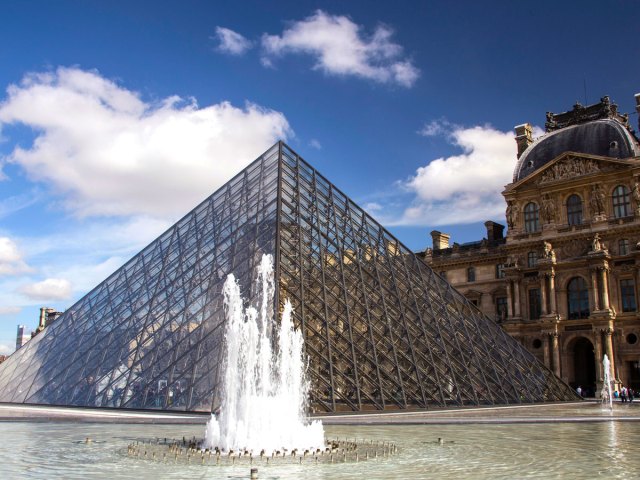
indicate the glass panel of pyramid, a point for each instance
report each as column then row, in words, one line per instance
column 381, row 329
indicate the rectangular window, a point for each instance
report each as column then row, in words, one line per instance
column 500, row 270
column 623, row 246
column 471, row 274
column 534, row 304
column 532, row 259
column 628, row 295
column 501, row 309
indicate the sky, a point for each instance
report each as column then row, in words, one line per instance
column 118, row 117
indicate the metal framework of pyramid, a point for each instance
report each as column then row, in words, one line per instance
column 381, row 329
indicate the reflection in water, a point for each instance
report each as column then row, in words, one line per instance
column 537, row 450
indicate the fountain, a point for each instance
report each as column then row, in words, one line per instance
column 265, row 390
column 607, row 396
column 262, row 417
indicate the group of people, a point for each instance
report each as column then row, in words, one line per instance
column 625, row 394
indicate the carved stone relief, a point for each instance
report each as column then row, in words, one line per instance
column 570, row 168
column 575, row 248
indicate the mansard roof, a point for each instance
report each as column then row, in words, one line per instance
column 596, row 129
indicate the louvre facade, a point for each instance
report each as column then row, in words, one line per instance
column 381, row 329
column 564, row 280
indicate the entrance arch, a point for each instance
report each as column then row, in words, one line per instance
column 583, row 361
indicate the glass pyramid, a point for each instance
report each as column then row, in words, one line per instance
column 382, row 330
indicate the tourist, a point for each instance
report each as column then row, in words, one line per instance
column 623, row 394
column 579, row 390
column 630, row 394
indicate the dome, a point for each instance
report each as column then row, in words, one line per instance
column 605, row 137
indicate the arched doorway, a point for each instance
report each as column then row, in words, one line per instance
column 584, row 366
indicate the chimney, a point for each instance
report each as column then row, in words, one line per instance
column 43, row 319
column 494, row 231
column 637, row 95
column 524, row 137
column 440, row 240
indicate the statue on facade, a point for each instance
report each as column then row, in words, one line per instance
column 548, row 252
column 548, row 209
column 596, row 244
column 512, row 214
column 596, row 200
column 635, row 192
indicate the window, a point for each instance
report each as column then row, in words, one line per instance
column 532, row 259
column 623, row 246
column 471, row 274
column 531, row 217
column 574, row 210
column 501, row 308
column 578, row 298
column 474, row 302
column 500, row 270
column 443, row 275
column 621, row 202
column 628, row 295
column 534, row 304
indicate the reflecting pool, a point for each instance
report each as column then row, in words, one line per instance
column 557, row 449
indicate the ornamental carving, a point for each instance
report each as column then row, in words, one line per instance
column 575, row 248
column 570, row 168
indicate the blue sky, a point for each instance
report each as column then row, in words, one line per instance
column 117, row 117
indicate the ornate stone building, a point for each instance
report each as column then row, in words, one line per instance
column 564, row 281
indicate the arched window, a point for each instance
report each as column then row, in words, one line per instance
column 531, row 217
column 578, row 298
column 574, row 210
column 621, row 202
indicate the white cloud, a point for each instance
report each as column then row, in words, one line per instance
column 372, row 207
column 436, row 128
column 105, row 151
column 6, row 349
column 49, row 289
column 231, row 42
column 9, row 310
column 11, row 262
column 340, row 48
column 315, row 144
column 462, row 188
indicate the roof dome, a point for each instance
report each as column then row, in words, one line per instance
column 596, row 129
column 606, row 137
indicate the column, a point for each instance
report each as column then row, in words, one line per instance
column 509, row 299
column 594, row 287
column 556, row 353
column 605, row 290
column 608, row 345
column 516, row 296
column 552, row 293
column 597, row 350
column 543, row 294
column 546, row 352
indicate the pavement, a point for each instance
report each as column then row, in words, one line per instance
column 585, row 411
